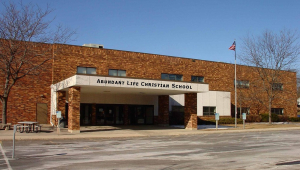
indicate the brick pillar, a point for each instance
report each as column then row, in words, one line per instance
column 74, row 110
column 163, row 110
column 61, row 102
column 190, row 111
column 94, row 117
column 54, row 120
column 126, row 114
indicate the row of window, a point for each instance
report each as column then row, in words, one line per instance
column 210, row 111
column 176, row 77
column 242, row 83
column 245, row 84
column 92, row 70
column 122, row 73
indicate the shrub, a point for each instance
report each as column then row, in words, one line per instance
column 283, row 118
column 253, row 118
column 265, row 117
column 230, row 121
column 294, row 119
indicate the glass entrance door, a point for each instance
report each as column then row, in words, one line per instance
column 113, row 114
column 85, row 114
column 100, row 115
column 141, row 114
column 109, row 114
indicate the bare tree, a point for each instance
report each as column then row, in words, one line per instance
column 270, row 54
column 26, row 44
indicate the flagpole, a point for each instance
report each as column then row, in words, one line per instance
column 235, row 85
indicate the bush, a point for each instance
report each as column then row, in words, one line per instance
column 253, row 118
column 294, row 119
column 283, row 118
column 230, row 121
column 265, row 117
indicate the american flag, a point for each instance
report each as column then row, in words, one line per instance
column 232, row 47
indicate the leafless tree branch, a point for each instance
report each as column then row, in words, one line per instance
column 270, row 54
column 26, row 44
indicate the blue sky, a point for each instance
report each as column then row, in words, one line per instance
column 200, row 29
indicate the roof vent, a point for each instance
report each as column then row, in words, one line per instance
column 93, row 45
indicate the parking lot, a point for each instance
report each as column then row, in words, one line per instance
column 249, row 150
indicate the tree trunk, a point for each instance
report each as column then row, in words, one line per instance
column 4, row 110
column 270, row 114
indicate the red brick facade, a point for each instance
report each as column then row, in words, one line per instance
column 163, row 110
column 220, row 76
column 61, row 102
column 74, row 110
column 190, row 111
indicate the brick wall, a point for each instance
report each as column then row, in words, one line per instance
column 74, row 109
column 30, row 90
column 61, row 103
column 190, row 111
column 220, row 76
column 163, row 110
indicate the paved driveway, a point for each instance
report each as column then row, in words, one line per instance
column 250, row 150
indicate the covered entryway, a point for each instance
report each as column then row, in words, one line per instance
column 100, row 100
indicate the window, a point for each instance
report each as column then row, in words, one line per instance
column 121, row 73
column 209, row 111
column 277, row 86
column 242, row 83
column 178, row 109
column 243, row 110
column 86, row 70
column 176, row 77
column 278, row 111
column 197, row 79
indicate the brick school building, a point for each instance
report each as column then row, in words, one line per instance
column 92, row 86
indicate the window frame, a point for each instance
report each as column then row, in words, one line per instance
column 242, row 84
column 243, row 110
column 197, row 78
column 168, row 75
column 277, row 86
column 278, row 111
column 118, row 70
column 210, row 113
column 176, row 108
column 86, row 70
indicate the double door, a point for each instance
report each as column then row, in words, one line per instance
column 109, row 114
column 141, row 115
column 113, row 114
column 85, row 114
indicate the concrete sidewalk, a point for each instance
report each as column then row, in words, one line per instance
column 49, row 132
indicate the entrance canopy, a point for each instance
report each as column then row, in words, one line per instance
column 118, row 85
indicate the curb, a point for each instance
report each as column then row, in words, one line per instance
column 177, row 132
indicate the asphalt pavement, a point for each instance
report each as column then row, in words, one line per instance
column 273, row 149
